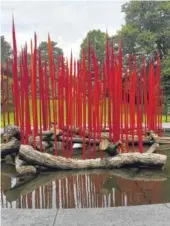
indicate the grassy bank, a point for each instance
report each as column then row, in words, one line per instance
column 11, row 113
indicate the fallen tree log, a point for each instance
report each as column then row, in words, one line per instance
column 110, row 148
column 28, row 160
column 153, row 148
column 78, row 140
column 22, row 168
column 153, row 136
column 10, row 148
column 95, row 138
column 31, row 156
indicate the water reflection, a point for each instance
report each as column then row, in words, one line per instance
column 84, row 189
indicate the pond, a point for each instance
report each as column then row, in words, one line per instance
column 86, row 189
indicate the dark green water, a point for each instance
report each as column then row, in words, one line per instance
column 85, row 189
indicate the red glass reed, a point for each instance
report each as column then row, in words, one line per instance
column 48, row 95
column 14, row 114
column 96, row 97
column 15, row 77
column 22, row 101
column 26, row 95
column 33, row 89
column 51, row 65
column 71, row 103
column 126, row 108
column 132, row 105
column 151, row 97
column 2, row 103
column 113, row 73
column 139, row 116
column 89, row 96
column 158, row 93
column 41, row 99
column 84, row 101
column 109, row 85
column 145, row 90
column 7, row 95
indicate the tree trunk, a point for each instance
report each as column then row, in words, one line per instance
column 10, row 148
column 22, row 168
column 110, row 148
column 31, row 156
column 153, row 148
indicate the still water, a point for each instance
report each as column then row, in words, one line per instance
column 85, row 189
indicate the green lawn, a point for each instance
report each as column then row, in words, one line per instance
column 11, row 115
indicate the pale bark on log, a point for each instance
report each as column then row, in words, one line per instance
column 22, row 168
column 78, row 140
column 45, row 145
column 94, row 138
column 10, row 148
column 12, row 131
column 49, row 135
column 31, row 156
column 153, row 148
column 110, row 148
column 153, row 136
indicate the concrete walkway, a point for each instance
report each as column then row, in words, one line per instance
column 145, row 215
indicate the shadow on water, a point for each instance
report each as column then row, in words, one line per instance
column 85, row 189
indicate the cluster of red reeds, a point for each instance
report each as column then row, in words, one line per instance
column 124, row 101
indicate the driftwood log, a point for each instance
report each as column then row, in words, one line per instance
column 33, row 157
column 30, row 161
column 153, row 148
column 28, row 154
column 110, row 148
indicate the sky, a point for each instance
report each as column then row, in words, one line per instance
column 67, row 21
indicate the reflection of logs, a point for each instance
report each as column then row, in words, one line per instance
column 141, row 174
column 134, row 175
column 30, row 185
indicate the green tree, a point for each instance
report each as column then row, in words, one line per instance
column 97, row 40
column 43, row 47
column 147, row 29
column 6, row 50
column 166, row 65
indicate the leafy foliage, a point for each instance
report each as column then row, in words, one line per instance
column 97, row 40
column 147, row 30
column 6, row 50
column 43, row 48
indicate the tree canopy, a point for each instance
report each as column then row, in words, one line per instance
column 147, row 30
column 97, row 40
column 6, row 50
column 43, row 48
